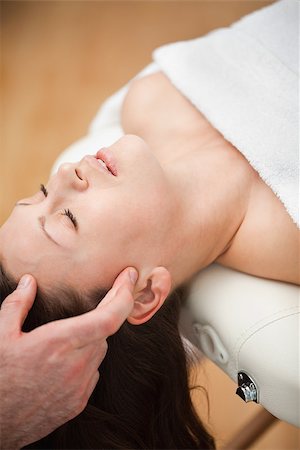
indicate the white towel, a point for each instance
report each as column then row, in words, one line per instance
column 244, row 79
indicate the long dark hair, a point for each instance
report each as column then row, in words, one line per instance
column 142, row 399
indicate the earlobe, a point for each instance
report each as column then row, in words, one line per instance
column 152, row 297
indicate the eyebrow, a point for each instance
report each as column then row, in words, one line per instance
column 42, row 221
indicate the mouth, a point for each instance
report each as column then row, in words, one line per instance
column 107, row 160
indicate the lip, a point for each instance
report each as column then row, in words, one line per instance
column 93, row 161
column 106, row 155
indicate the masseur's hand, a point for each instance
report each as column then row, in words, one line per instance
column 48, row 374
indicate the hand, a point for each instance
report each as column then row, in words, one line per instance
column 48, row 374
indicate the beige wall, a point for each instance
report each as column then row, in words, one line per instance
column 59, row 61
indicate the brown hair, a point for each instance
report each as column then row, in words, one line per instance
column 142, row 399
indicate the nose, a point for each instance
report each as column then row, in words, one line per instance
column 72, row 177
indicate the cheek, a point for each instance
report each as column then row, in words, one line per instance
column 104, row 250
column 108, row 215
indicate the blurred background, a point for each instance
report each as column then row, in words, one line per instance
column 59, row 61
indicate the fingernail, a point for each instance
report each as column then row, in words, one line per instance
column 133, row 275
column 24, row 282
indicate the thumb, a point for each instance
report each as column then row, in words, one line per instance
column 126, row 280
column 16, row 306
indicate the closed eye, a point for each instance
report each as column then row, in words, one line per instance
column 71, row 216
column 66, row 212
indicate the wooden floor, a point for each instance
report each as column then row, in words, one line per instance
column 59, row 61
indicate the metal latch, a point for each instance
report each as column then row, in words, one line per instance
column 247, row 389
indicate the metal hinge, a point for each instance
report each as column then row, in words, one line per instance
column 247, row 389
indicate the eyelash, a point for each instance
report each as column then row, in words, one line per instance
column 44, row 190
column 71, row 216
column 66, row 212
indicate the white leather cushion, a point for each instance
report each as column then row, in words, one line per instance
column 251, row 324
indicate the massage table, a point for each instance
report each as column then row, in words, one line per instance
column 249, row 327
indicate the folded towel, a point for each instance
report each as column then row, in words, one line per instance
column 244, row 79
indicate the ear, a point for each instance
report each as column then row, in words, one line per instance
column 152, row 297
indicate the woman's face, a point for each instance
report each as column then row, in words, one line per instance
column 89, row 223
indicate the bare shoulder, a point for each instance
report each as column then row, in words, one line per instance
column 152, row 102
column 141, row 94
column 267, row 243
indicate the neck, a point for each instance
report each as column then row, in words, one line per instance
column 207, row 208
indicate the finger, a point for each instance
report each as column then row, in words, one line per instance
column 114, row 309
column 127, row 277
column 104, row 320
column 16, row 306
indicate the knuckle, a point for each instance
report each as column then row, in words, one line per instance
column 103, row 351
column 55, row 359
column 57, row 349
column 104, row 347
column 103, row 320
column 99, row 354
column 73, row 373
column 79, row 407
column 82, row 401
column 52, row 342
column 96, row 379
column 108, row 324
column 53, row 337
column 77, row 369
